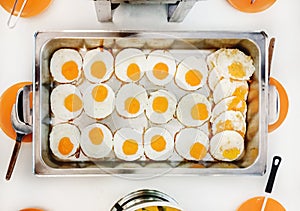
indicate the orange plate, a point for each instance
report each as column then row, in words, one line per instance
column 32, row 7
column 7, row 100
column 255, row 204
column 31, row 209
column 246, row 6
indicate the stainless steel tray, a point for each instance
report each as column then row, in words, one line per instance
column 252, row 43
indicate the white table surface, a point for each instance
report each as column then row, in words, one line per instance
column 196, row 193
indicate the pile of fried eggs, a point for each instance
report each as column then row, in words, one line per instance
column 226, row 72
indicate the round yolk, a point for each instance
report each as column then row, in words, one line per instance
column 198, row 151
column 96, row 136
column 199, row 112
column 70, row 70
column 158, row 143
column 240, row 91
column 160, row 104
column 99, row 93
column 231, row 153
column 98, row 69
column 160, row 71
column 133, row 72
column 73, row 103
column 193, row 77
column 237, row 70
column 132, row 105
column 65, row 146
column 130, row 147
column 237, row 104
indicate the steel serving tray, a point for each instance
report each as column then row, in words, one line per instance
column 188, row 43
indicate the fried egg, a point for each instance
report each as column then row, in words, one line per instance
column 227, row 145
column 161, row 106
column 64, row 140
column 211, row 59
column 233, row 103
column 130, row 65
column 214, row 77
column 66, row 102
column 233, row 63
column 193, row 110
column 99, row 101
column 131, row 100
column 191, row 144
column 96, row 141
column 191, row 73
column 227, row 87
column 161, row 67
column 98, row 65
column 128, row 144
column 158, row 143
column 65, row 65
column 229, row 120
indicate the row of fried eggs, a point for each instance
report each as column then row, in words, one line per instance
column 192, row 109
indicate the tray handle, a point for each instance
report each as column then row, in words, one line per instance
column 284, row 104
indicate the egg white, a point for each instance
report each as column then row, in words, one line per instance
column 214, row 78
column 191, row 63
column 96, row 151
column 152, row 153
column 126, row 57
column 121, row 136
column 59, row 58
column 163, row 117
column 160, row 56
column 185, row 139
column 224, row 141
column 98, row 55
column 57, row 99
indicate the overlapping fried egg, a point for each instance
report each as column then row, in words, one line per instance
column 227, row 87
column 232, row 103
column 64, row 140
column 214, row 77
column 131, row 100
column 161, row 106
column 128, row 144
column 65, row 65
column 130, row 65
column 229, row 120
column 98, row 65
column 158, row 143
column 99, row 101
column 191, row 144
column 161, row 67
column 66, row 102
column 96, row 141
column 193, row 110
column 227, row 145
column 233, row 63
column 211, row 59
column 191, row 73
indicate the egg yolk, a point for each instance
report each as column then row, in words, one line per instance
column 240, row 92
column 227, row 125
column 73, row 103
column 160, row 71
column 133, row 72
column 193, row 77
column 96, row 136
column 98, row 69
column 198, row 151
column 237, row 104
column 130, row 147
column 231, row 153
column 158, row 143
column 199, row 112
column 65, row 146
column 99, row 93
column 70, row 70
column 237, row 70
column 132, row 105
column 160, row 104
